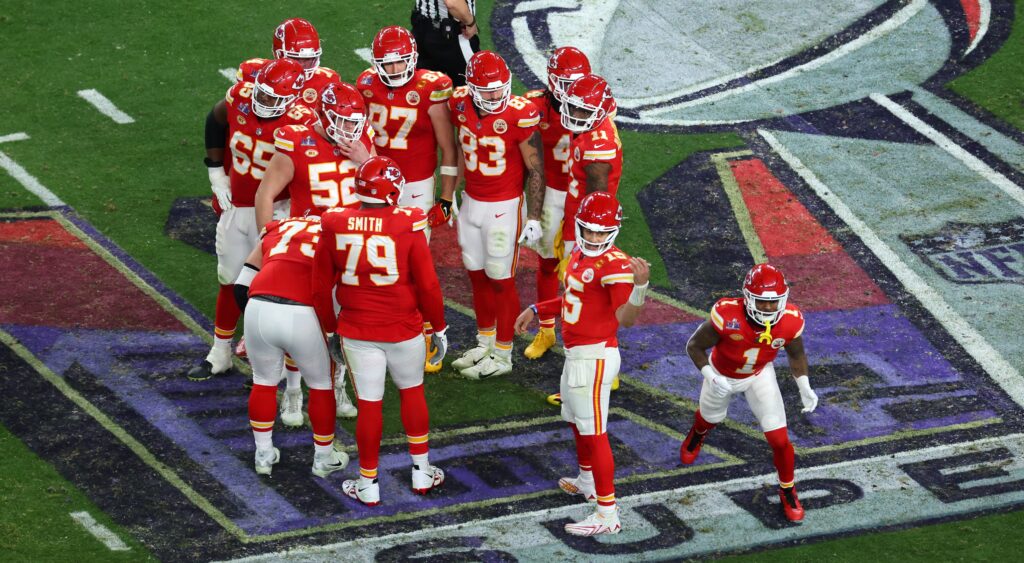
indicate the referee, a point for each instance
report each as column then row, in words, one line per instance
column 447, row 36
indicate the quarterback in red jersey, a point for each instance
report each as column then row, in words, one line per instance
column 604, row 288
column 244, row 123
column 409, row 114
column 296, row 39
column 501, row 147
column 386, row 286
column 595, row 154
column 745, row 334
column 565, row 66
column 275, row 290
column 317, row 163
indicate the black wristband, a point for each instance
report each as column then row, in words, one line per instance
column 213, row 163
column 216, row 132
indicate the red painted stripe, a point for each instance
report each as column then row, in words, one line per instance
column 38, row 231
column 784, row 226
column 829, row 282
column 972, row 12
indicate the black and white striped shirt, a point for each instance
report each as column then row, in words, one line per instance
column 436, row 9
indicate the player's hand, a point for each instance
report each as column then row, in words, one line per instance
column 439, row 341
column 719, row 384
column 355, row 151
column 807, row 395
column 641, row 270
column 531, row 233
column 440, row 213
column 523, row 320
column 334, row 347
column 221, row 186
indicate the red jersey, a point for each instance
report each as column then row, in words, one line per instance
column 251, row 141
column 600, row 145
column 404, row 131
column 323, row 178
column 310, row 96
column 490, row 145
column 739, row 353
column 555, row 139
column 595, row 288
column 287, row 271
column 385, row 276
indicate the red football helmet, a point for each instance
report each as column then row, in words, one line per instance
column 342, row 112
column 275, row 87
column 564, row 67
column 599, row 212
column 298, row 40
column 379, row 180
column 586, row 103
column 394, row 44
column 487, row 74
column 765, row 282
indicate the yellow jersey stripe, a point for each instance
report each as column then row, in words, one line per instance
column 617, row 278
column 420, row 225
column 529, row 122
column 284, row 144
column 441, row 95
column 717, row 320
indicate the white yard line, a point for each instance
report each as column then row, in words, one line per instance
column 365, row 54
column 29, row 181
column 955, row 150
column 101, row 532
column 14, row 137
column 230, row 73
column 105, row 106
column 1001, row 371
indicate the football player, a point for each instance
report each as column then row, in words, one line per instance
column 296, row 39
column 604, row 288
column 565, row 65
column 275, row 290
column 244, row 122
column 744, row 335
column 386, row 286
column 410, row 118
column 501, row 146
column 317, row 163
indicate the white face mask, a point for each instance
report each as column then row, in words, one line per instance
column 336, row 127
column 594, row 248
column 492, row 106
column 274, row 107
column 400, row 78
column 763, row 317
column 580, row 124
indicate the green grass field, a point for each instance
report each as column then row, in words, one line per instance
column 159, row 62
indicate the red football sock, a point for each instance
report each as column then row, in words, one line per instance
column 369, row 427
column 547, row 287
column 321, row 416
column 483, row 300
column 604, row 469
column 583, row 454
column 262, row 412
column 507, row 301
column 700, row 425
column 226, row 315
column 415, row 419
column 782, row 454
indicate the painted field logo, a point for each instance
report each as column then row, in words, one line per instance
column 975, row 253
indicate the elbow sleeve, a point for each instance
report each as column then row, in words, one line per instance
column 216, row 132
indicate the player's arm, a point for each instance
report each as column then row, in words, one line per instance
column 547, row 308
column 440, row 119
column 424, row 276
column 216, row 133
column 798, row 365
column 628, row 312
column 252, row 266
column 697, row 346
column 324, row 278
column 279, row 173
column 532, row 150
column 597, row 176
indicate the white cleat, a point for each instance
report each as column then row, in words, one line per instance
column 369, row 495
column 423, row 480
column 328, row 462
column 596, row 524
column 265, row 460
column 577, row 486
column 472, row 356
column 343, row 405
column 491, row 366
column 291, row 408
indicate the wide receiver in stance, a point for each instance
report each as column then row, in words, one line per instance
column 745, row 334
column 378, row 256
column 275, row 291
column 604, row 288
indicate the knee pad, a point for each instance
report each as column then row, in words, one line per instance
column 496, row 270
column 500, row 242
column 471, row 263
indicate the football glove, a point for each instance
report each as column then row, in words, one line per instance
column 807, row 395
column 438, row 342
column 334, row 347
column 531, row 232
column 440, row 213
column 719, row 383
column 221, row 186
